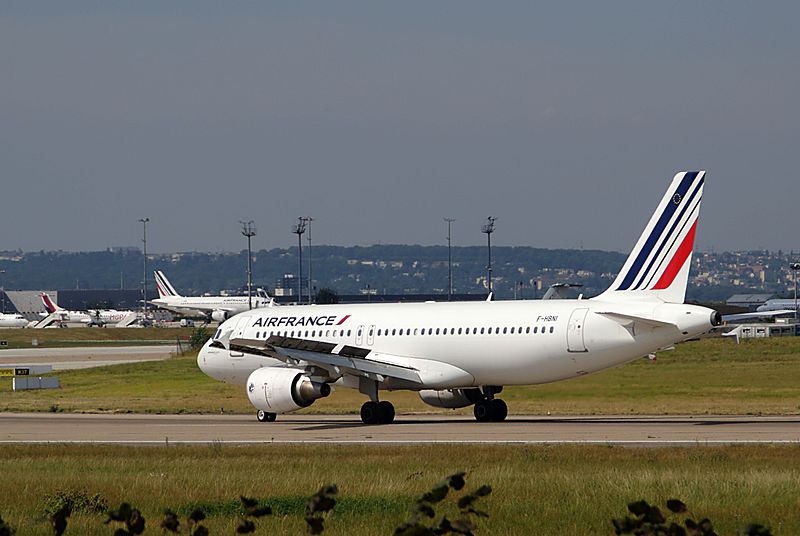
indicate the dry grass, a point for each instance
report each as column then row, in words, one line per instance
column 54, row 338
column 711, row 376
column 537, row 490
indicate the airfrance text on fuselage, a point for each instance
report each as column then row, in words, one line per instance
column 295, row 321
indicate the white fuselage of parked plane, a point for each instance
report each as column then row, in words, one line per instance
column 778, row 304
column 472, row 343
column 13, row 320
column 204, row 305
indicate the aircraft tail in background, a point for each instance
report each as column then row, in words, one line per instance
column 165, row 288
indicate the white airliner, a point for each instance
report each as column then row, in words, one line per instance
column 13, row 320
column 461, row 354
column 92, row 317
column 218, row 308
column 778, row 304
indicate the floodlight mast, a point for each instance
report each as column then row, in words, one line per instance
column 795, row 266
column 299, row 228
column 144, row 222
column 3, row 290
column 308, row 220
column 488, row 229
column 249, row 230
column 449, row 260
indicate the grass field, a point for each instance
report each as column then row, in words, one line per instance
column 710, row 376
column 537, row 490
column 53, row 338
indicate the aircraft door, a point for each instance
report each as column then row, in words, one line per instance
column 360, row 336
column 238, row 331
column 575, row 330
column 371, row 335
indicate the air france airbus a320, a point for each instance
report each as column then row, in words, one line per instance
column 460, row 354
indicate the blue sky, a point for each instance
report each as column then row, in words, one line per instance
column 378, row 119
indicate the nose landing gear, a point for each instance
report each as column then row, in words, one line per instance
column 264, row 416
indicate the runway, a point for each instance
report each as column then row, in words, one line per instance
column 408, row 429
column 84, row 356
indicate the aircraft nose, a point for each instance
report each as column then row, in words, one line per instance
column 204, row 358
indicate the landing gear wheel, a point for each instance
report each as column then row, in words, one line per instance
column 264, row 416
column 494, row 410
column 370, row 413
column 385, row 412
column 482, row 411
column 498, row 409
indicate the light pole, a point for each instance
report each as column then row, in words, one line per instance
column 488, row 228
column 299, row 228
column 449, row 261
column 308, row 220
column 3, row 290
column 144, row 263
column 249, row 230
column 795, row 266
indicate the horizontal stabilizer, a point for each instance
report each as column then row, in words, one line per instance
column 626, row 320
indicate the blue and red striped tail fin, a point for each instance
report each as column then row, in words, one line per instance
column 165, row 288
column 658, row 267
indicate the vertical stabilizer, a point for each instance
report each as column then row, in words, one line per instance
column 165, row 288
column 658, row 266
column 49, row 304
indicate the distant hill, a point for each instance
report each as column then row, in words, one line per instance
column 389, row 269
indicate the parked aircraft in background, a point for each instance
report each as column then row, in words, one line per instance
column 13, row 320
column 778, row 304
column 218, row 308
column 92, row 317
column 458, row 354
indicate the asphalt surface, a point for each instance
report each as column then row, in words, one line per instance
column 84, row 356
column 245, row 429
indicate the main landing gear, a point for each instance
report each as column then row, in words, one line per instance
column 264, row 416
column 489, row 408
column 494, row 410
column 377, row 412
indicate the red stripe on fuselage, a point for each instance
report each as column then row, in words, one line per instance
column 677, row 261
column 342, row 320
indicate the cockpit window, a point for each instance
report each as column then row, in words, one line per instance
column 217, row 334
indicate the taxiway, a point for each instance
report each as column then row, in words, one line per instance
column 244, row 429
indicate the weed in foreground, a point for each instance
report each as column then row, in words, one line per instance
column 649, row 520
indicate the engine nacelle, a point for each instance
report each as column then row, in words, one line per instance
column 220, row 316
column 451, row 398
column 281, row 390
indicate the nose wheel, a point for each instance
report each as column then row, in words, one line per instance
column 494, row 410
column 264, row 416
column 377, row 412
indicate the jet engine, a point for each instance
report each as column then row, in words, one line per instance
column 281, row 390
column 220, row 316
column 451, row 398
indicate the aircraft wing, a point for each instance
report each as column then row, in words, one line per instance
column 338, row 359
column 756, row 314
